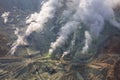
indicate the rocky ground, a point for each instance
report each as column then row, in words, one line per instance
column 108, row 60
column 104, row 65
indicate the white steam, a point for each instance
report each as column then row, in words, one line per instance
column 88, row 41
column 37, row 21
column 47, row 12
column 65, row 31
column 18, row 42
column 71, row 6
column 5, row 16
column 92, row 13
column 65, row 53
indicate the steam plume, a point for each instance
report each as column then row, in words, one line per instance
column 66, row 30
column 5, row 16
column 18, row 42
column 47, row 12
column 92, row 13
column 88, row 41
column 38, row 20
